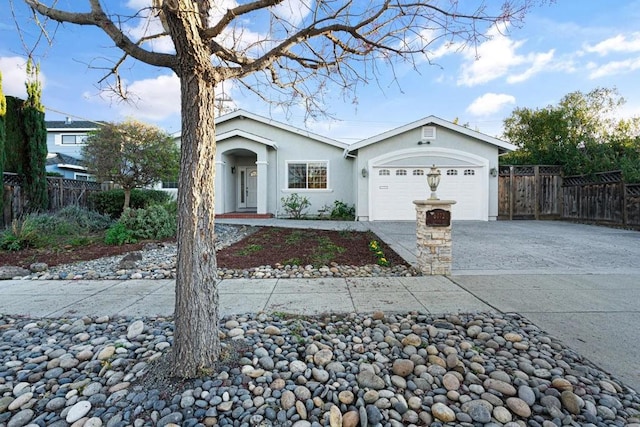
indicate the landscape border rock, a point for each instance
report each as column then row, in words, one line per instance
column 306, row 371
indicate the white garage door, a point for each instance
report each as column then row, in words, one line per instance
column 395, row 189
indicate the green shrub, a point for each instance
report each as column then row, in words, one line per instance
column 295, row 205
column 111, row 202
column 84, row 219
column 21, row 234
column 153, row 222
column 118, row 234
column 343, row 211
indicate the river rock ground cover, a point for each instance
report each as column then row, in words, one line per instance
column 238, row 247
column 277, row 370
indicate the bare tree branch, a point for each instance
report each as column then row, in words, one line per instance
column 98, row 18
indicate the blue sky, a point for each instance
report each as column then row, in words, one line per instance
column 559, row 48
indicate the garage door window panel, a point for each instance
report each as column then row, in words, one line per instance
column 307, row 175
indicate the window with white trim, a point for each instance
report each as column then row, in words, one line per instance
column 418, row 172
column 469, row 172
column 452, row 172
column 307, row 175
column 83, row 177
column 384, row 172
column 401, row 172
column 73, row 139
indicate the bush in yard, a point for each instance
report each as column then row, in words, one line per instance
column 118, row 234
column 153, row 222
column 295, row 205
column 71, row 225
column 84, row 219
column 21, row 234
column 111, row 202
column 343, row 211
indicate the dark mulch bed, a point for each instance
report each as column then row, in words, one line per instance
column 65, row 255
column 273, row 245
column 267, row 246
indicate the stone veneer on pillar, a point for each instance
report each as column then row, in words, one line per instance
column 433, row 233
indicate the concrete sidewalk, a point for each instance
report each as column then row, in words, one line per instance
column 579, row 283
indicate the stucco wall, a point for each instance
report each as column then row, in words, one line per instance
column 435, row 152
column 54, row 144
column 290, row 146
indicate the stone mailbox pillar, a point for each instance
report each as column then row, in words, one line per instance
column 433, row 232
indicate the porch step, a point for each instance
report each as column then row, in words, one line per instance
column 244, row 215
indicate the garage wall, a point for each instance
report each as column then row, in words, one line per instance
column 403, row 150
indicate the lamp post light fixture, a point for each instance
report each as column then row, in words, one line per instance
column 433, row 179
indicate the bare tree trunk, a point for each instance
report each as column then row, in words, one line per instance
column 127, row 198
column 196, row 341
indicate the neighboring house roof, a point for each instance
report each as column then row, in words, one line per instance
column 71, row 125
column 64, row 161
column 274, row 123
column 503, row 146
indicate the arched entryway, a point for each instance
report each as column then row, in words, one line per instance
column 241, row 178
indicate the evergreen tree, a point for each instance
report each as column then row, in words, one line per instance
column 3, row 113
column 14, row 146
column 35, row 130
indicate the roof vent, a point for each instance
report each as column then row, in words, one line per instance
column 428, row 132
column 68, row 120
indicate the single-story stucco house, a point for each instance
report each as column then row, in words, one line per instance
column 260, row 161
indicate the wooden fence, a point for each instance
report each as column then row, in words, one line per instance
column 529, row 192
column 540, row 192
column 62, row 192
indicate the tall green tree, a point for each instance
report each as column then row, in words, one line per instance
column 582, row 133
column 35, row 131
column 3, row 113
column 299, row 50
column 131, row 154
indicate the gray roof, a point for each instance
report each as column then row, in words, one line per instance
column 63, row 159
column 71, row 124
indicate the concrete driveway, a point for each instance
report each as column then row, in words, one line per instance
column 578, row 282
column 527, row 247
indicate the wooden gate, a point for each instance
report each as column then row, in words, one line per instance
column 529, row 192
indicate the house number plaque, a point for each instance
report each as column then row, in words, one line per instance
column 438, row 218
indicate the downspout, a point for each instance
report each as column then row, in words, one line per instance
column 277, row 184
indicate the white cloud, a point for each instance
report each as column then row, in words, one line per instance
column 148, row 25
column 490, row 103
column 158, row 99
column 618, row 43
column 14, row 75
column 613, row 68
column 498, row 57
column 151, row 99
column 539, row 62
column 292, row 11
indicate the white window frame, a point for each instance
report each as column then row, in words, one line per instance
column 89, row 177
column 307, row 189
column 78, row 136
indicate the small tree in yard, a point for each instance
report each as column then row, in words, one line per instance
column 131, row 154
column 298, row 48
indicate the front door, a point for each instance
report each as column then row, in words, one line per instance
column 248, row 187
